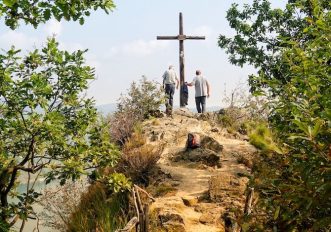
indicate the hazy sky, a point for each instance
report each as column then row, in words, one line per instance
column 123, row 46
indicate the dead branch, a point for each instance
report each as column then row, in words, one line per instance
column 129, row 226
column 144, row 191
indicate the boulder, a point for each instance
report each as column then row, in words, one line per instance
column 222, row 186
column 207, row 218
column 184, row 112
column 174, row 227
column 211, row 144
column 166, row 217
column 156, row 113
column 215, row 129
column 206, row 116
column 205, row 156
column 247, row 162
column 190, row 201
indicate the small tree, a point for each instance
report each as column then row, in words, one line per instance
column 143, row 98
column 47, row 126
column 142, row 101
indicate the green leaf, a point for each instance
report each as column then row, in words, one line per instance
column 317, row 128
column 81, row 21
column 302, row 126
column 277, row 212
column 47, row 14
column 9, row 3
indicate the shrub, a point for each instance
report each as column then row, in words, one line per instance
column 138, row 158
column 59, row 203
column 243, row 108
column 122, row 125
column 143, row 100
column 98, row 211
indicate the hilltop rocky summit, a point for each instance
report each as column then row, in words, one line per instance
column 205, row 187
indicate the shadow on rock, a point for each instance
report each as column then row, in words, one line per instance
column 198, row 155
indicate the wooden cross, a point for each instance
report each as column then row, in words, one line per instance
column 181, row 37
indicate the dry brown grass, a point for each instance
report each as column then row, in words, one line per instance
column 138, row 158
column 98, row 211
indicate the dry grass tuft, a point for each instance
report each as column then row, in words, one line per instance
column 138, row 158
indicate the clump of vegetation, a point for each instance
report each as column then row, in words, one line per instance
column 16, row 11
column 59, row 203
column 78, row 206
column 262, row 138
column 142, row 101
column 138, row 158
column 243, row 109
column 122, row 125
column 135, row 165
column 99, row 211
column 291, row 51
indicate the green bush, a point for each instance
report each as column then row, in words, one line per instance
column 142, row 101
column 143, row 98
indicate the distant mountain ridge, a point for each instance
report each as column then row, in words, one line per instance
column 107, row 108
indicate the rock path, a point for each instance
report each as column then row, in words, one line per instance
column 203, row 193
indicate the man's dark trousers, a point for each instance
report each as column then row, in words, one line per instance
column 170, row 90
column 201, row 104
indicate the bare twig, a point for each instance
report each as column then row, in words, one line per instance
column 144, row 191
column 248, row 203
column 135, row 201
column 141, row 210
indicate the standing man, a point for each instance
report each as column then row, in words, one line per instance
column 170, row 82
column 201, row 91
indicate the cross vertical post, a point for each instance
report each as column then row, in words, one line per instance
column 181, row 60
column 181, row 37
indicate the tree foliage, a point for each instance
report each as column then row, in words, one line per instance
column 260, row 31
column 34, row 12
column 291, row 50
column 143, row 98
column 47, row 126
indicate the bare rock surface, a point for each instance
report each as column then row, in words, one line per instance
column 207, row 188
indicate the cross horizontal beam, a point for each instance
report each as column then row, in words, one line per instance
column 180, row 37
column 196, row 37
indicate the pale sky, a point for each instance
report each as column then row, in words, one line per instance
column 123, row 46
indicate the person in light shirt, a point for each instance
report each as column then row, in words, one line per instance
column 202, row 90
column 170, row 82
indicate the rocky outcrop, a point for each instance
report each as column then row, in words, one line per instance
column 190, row 201
column 211, row 144
column 226, row 186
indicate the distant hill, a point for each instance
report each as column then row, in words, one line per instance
column 107, row 108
